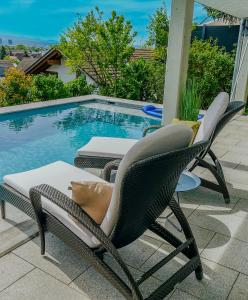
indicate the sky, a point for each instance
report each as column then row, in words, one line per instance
column 47, row 19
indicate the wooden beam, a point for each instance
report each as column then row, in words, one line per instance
column 54, row 61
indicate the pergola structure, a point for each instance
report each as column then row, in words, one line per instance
column 179, row 46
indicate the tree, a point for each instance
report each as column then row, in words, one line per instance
column 15, row 87
column 104, row 46
column 3, row 52
column 216, row 14
column 158, row 30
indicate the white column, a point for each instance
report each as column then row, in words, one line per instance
column 240, row 83
column 177, row 56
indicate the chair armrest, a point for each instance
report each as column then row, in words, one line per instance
column 152, row 127
column 79, row 214
column 113, row 165
column 68, row 205
column 98, row 162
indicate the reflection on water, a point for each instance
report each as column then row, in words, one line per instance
column 22, row 123
column 83, row 115
column 33, row 138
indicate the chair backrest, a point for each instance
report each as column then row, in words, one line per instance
column 147, row 178
column 214, row 113
column 232, row 109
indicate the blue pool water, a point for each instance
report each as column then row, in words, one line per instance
column 30, row 139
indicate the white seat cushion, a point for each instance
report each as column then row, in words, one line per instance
column 107, row 147
column 58, row 175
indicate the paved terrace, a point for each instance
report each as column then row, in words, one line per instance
column 220, row 230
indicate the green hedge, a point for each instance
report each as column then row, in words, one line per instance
column 212, row 67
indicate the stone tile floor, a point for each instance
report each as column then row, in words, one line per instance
column 221, row 232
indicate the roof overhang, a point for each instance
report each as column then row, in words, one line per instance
column 235, row 8
column 42, row 63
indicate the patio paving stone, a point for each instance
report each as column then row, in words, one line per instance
column 179, row 295
column 218, row 147
column 203, row 196
column 233, row 224
column 216, row 284
column 240, row 289
column 12, row 268
column 232, row 141
column 228, row 252
column 213, row 286
column 97, row 287
column 59, row 261
column 39, row 285
column 16, row 236
column 14, row 216
column 139, row 251
column 15, row 230
column 237, row 158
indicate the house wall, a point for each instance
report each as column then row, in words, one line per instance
column 65, row 73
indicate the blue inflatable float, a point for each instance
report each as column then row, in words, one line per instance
column 153, row 111
column 158, row 112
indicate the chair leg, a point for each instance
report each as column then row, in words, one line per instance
column 191, row 251
column 176, row 209
column 3, row 209
column 217, row 172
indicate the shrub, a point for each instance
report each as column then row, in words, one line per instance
column 47, row 87
column 141, row 80
column 79, row 87
column 15, row 87
column 191, row 102
column 212, row 67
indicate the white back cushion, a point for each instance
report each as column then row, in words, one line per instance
column 212, row 116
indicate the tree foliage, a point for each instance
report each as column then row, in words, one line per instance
column 216, row 14
column 47, row 87
column 213, row 67
column 158, row 31
column 104, row 46
column 15, row 87
column 79, row 87
column 3, row 52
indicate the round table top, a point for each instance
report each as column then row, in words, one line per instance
column 187, row 182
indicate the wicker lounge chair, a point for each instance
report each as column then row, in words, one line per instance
column 138, row 200
column 100, row 151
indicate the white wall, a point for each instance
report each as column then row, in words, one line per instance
column 65, row 73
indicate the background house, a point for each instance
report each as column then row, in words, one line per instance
column 225, row 34
column 53, row 62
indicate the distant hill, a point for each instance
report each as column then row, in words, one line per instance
column 12, row 40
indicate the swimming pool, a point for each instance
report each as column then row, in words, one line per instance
column 30, row 139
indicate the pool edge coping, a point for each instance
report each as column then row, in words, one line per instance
column 42, row 104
